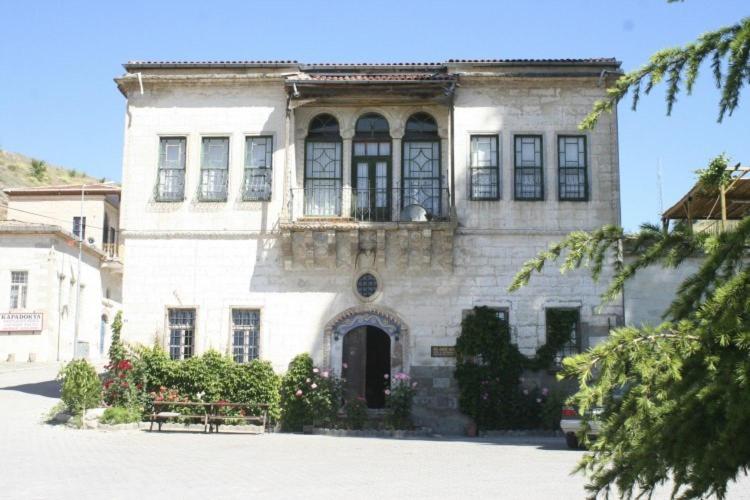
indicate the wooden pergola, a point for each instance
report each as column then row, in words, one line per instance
column 718, row 204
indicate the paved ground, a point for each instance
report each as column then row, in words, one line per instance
column 42, row 461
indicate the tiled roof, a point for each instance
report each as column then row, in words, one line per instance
column 593, row 60
column 312, row 66
column 376, row 77
column 211, row 63
column 97, row 188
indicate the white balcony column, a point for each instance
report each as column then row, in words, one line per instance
column 346, row 172
column 396, row 150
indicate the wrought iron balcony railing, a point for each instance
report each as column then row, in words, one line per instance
column 401, row 204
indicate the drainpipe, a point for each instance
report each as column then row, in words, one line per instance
column 78, row 278
column 60, row 279
column 451, row 95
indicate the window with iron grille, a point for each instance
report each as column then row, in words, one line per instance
column 181, row 333
column 79, row 227
column 258, row 169
column 171, row 182
column 19, row 284
column 323, row 183
column 564, row 322
column 484, row 167
column 528, row 163
column 214, row 168
column 573, row 182
column 245, row 334
column 421, row 165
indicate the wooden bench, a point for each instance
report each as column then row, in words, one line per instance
column 207, row 413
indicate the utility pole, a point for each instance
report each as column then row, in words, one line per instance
column 78, row 277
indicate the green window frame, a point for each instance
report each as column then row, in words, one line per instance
column 564, row 317
column 572, row 168
column 528, row 163
column 170, row 184
column 323, row 167
column 258, row 182
column 214, row 169
column 181, row 333
column 245, row 335
column 484, row 167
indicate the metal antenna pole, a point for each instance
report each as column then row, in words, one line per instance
column 78, row 277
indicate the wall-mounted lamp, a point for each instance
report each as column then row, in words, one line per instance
column 397, row 335
column 336, row 336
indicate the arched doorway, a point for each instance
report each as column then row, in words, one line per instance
column 366, row 361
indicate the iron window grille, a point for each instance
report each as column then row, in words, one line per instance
column 420, row 171
column 19, row 284
column 567, row 319
column 367, row 285
column 79, row 227
column 572, row 168
column 181, row 333
column 214, row 169
column 245, row 334
column 258, row 169
column 484, row 167
column 323, row 170
column 171, row 179
column 528, row 163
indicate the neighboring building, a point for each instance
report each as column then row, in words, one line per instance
column 649, row 294
column 356, row 211
column 39, row 249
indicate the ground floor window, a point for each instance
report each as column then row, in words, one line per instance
column 181, row 333
column 19, row 284
column 245, row 334
column 564, row 324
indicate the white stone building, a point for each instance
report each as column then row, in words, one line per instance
column 356, row 212
column 39, row 272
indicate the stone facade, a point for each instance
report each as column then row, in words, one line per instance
column 298, row 271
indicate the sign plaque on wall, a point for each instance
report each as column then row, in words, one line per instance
column 443, row 351
column 21, row 322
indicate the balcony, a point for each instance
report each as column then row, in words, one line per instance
column 404, row 228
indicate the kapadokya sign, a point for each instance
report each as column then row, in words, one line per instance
column 21, row 322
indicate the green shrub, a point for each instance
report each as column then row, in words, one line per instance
column 120, row 415
column 488, row 372
column 210, row 377
column 38, row 169
column 309, row 396
column 356, row 413
column 81, row 387
column 398, row 401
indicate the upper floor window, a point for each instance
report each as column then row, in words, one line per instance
column 371, row 172
column 529, row 177
column 258, row 169
column 181, row 333
column 323, row 167
column 572, row 175
column 214, row 168
column 19, row 284
column 421, row 179
column 245, row 334
column 79, row 227
column 171, row 182
column 484, row 167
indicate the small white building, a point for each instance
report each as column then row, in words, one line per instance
column 357, row 211
column 40, row 272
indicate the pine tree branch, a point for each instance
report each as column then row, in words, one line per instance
column 728, row 46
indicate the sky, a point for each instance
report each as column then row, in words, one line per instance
column 57, row 60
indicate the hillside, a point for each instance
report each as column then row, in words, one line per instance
column 16, row 171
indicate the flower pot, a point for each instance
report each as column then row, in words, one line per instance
column 471, row 429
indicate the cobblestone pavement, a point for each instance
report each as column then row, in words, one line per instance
column 43, row 461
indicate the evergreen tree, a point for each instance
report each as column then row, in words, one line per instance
column 685, row 409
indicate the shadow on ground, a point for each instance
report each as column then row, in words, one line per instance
column 49, row 388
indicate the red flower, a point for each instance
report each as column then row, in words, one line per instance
column 125, row 385
column 121, row 375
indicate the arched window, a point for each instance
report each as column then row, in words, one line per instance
column 371, row 168
column 323, row 167
column 421, row 179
